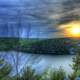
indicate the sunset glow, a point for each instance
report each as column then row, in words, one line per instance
column 71, row 29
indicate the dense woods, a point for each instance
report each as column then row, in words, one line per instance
column 50, row 46
column 42, row 46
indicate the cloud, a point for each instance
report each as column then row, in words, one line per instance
column 43, row 14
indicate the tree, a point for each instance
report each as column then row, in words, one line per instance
column 5, row 69
column 76, row 60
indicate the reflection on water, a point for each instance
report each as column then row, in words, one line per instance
column 37, row 61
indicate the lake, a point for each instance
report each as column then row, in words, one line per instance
column 37, row 61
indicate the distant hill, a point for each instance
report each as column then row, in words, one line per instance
column 38, row 46
column 50, row 46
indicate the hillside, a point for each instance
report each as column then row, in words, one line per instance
column 42, row 46
column 50, row 46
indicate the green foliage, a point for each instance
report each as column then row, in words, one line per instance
column 7, row 78
column 57, row 74
column 72, row 76
column 5, row 69
column 76, row 60
column 49, row 74
column 47, row 46
column 29, row 74
column 76, row 63
column 45, row 75
column 75, row 67
column 7, row 44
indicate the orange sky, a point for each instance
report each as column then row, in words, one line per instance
column 71, row 29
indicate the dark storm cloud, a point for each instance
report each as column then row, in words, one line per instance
column 71, row 9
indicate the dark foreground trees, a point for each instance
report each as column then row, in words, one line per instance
column 5, row 70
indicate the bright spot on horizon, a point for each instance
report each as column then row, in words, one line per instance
column 75, row 30
column 71, row 29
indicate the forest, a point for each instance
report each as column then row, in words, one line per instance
column 56, row 46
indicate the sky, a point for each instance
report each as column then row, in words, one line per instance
column 36, row 18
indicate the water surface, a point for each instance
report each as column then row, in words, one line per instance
column 37, row 61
